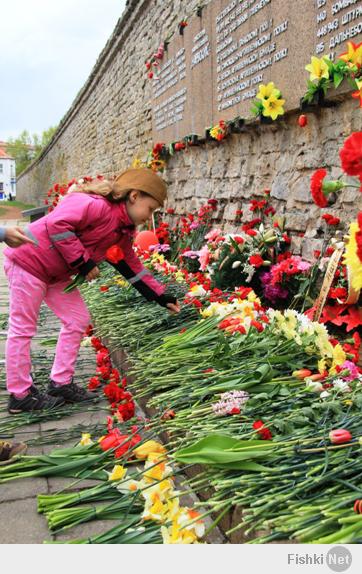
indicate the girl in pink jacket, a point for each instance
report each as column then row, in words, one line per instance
column 73, row 239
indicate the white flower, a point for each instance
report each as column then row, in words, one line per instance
column 341, row 385
column 236, row 264
column 313, row 386
column 325, row 395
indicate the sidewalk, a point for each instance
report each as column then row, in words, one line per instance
column 20, row 522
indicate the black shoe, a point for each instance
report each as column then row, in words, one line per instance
column 71, row 393
column 34, row 401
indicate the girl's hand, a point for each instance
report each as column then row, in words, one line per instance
column 93, row 274
column 174, row 307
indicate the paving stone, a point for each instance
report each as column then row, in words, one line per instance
column 20, row 489
column 23, row 524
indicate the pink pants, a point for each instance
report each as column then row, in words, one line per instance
column 26, row 295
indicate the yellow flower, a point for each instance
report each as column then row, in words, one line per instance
column 351, row 258
column 339, row 356
column 117, row 473
column 318, row 69
column 86, row 439
column 150, row 446
column 273, row 107
column 175, row 535
column 128, row 486
column 137, row 163
column 322, row 365
column 353, row 56
column 155, row 509
column 265, row 91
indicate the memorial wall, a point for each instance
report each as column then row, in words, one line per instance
column 212, row 71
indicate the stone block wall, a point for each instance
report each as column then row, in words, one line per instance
column 109, row 124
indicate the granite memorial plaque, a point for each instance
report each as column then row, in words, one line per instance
column 214, row 69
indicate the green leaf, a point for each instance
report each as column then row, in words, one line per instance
column 337, row 79
column 221, row 449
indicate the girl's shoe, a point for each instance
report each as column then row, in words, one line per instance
column 34, row 401
column 70, row 393
column 9, row 452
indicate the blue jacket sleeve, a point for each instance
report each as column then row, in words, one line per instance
column 2, row 233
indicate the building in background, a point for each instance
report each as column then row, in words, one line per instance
column 7, row 174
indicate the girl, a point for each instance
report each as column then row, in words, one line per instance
column 72, row 239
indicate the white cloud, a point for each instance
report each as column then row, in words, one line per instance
column 47, row 50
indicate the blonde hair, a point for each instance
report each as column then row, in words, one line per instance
column 108, row 189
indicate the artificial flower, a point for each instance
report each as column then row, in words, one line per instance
column 273, row 107
column 266, row 91
column 353, row 56
column 358, row 93
column 318, row 69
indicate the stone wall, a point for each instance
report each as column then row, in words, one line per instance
column 109, row 124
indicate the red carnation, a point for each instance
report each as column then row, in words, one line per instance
column 262, row 430
column 351, row 154
column 316, row 188
column 256, row 260
column 114, row 254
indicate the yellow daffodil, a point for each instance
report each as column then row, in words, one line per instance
column 145, row 449
column 267, row 90
column 175, row 535
column 273, row 107
column 351, row 258
column 86, row 439
column 117, row 473
column 190, row 520
column 353, row 56
column 156, row 471
column 129, row 486
column 154, row 508
column 318, row 69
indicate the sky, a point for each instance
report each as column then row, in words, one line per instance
column 47, row 51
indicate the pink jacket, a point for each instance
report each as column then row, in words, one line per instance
column 81, row 228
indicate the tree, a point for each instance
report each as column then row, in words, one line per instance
column 25, row 148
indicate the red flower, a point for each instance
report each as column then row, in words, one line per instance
column 94, row 382
column 256, row 260
column 103, row 288
column 114, row 254
column 351, row 154
column 339, row 436
column 167, row 415
column 251, row 232
column 262, row 430
column 302, row 120
column 150, row 75
column 330, row 219
column 287, row 239
column 258, row 326
column 316, row 188
column 170, row 211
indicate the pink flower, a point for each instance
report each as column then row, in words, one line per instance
column 353, row 371
column 204, row 257
column 213, row 234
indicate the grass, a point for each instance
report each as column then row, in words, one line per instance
column 15, row 203
column 5, row 205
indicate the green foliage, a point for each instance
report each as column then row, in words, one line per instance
column 26, row 147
